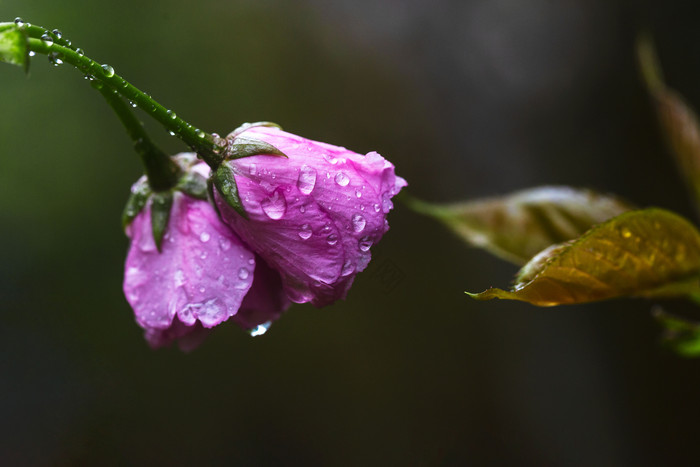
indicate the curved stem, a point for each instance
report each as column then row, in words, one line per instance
column 162, row 172
column 206, row 145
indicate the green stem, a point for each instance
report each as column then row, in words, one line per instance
column 162, row 172
column 207, row 146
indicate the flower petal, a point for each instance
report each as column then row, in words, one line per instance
column 314, row 216
column 201, row 275
column 265, row 301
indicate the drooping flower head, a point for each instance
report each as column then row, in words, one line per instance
column 314, row 215
column 201, row 275
column 295, row 228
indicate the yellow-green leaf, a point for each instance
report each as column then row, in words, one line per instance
column 517, row 226
column 650, row 252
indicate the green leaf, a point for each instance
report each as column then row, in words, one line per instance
column 648, row 253
column 246, row 147
column 225, row 183
column 14, row 45
column 137, row 201
column 681, row 335
column 161, row 204
column 678, row 121
column 517, row 226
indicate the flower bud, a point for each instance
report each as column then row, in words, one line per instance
column 314, row 215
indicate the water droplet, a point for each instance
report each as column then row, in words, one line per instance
column 342, row 179
column 179, row 278
column 260, row 329
column 133, row 104
column 358, row 223
column 348, row 268
column 203, row 255
column 172, row 114
column 204, row 237
column 225, row 244
column 243, row 274
column 32, row 53
column 19, row 22
column 377, row 207
column 202, row 289
column 46, row 39
column 80, row 51
column 305, row 232
column 172, row 133
column 332, row 239
column 307, row 179
column 302, row 209
column 329, row 158
column 109, row 71
column 275, row 206
column 358, row 193
column 386, row 202
column 253, row 169
column 54, row 59
column 326, row 229
column 365, row 243
column 57, row 33
column 200, row 134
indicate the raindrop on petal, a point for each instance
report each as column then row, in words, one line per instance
column 342, row 179
column 305, row 232
column 204, row 237
column 332, row 239
column 365, row 243
column 358, row 223
column 275, row 206
column 243, row 274
column 307, row 179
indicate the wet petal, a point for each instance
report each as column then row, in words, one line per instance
column 265, row 300
column 202, row 274
column 314, row 216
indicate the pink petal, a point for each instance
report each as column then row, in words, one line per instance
column 265, row 300
column 201, row 276
column 314, row 216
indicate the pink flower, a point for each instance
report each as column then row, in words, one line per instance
column 201, row 278
column 313, row 216
column 309, row 222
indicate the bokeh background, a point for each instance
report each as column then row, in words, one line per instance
column 468, row 99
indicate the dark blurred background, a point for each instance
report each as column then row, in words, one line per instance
column 468, row 99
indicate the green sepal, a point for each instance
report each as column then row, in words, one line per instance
column 248, row 126
column 160, row 215
column 14, row 45
column 246, row 147
column 194, row 185
column 225, row 183
column 137, row 201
